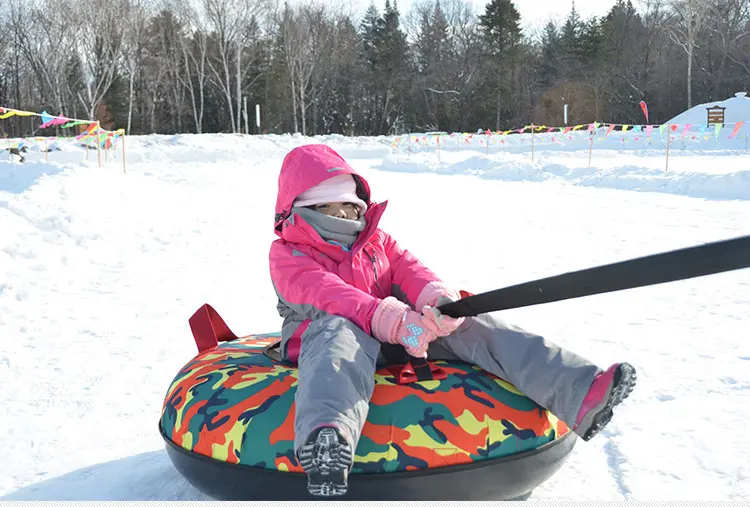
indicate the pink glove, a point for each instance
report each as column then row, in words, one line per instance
column 441, row 325
column 433, row 295
column 395, row 322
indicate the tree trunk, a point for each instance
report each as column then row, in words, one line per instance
column 690, row 51
column 497, row 110
column 302, row 107
column 294, row 101
column 130, row 99
column 201, row 94
column 238, row 84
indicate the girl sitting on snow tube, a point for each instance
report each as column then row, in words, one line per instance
column 345, row 288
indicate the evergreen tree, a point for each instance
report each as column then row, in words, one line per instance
column 435, row 59
column 342, row 105
column 369, row 29
column 390, row 70
column 623, row 46
column 501, row 29
column 570, row 44
column 549, row 64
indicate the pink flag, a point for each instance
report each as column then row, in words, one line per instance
column 59, row 120
column 644, row 108
column 737, row 129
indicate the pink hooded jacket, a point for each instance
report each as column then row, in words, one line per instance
column 314, row 278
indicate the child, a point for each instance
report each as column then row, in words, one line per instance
column 345, row 287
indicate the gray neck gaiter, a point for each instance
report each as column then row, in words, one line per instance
column 341, row 230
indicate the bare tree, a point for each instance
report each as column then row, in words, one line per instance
column 655, row 18
column 692, row 16
column 45, row 42
column 6, row 57
column 169, row 34
column 320, row 48
column 469, row 54
column 19, row 24
column 730, row 28
column 293, row 46
column 134, row 31
column 307, row 36
column 228, row 21
column 152, row 81
column 194, row 47
column 98, row 46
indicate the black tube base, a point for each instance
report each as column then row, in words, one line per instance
column 508, row 478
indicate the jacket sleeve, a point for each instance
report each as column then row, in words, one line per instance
column 420, row 285
column 311, row 290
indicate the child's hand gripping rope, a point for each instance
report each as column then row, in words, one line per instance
column 395, row 322
column 441, row 325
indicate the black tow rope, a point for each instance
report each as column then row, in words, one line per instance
column 702, row 260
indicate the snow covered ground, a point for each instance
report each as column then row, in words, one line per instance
column 100, row 270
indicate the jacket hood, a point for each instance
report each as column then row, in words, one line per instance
column 303, row 168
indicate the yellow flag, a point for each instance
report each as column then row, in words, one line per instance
column 14, row 112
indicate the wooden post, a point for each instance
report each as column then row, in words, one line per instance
column 244, row 113
column 98, row 145
column 669, row 139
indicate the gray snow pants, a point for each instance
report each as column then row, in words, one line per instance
column 337, row 364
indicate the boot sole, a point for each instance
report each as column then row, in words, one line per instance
column 326, row 462
column 622, row 385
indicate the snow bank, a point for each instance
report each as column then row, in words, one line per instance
column 737, row 110
column 716, row 168
column 648, row 176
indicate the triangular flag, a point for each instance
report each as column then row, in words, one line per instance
column 737, row 129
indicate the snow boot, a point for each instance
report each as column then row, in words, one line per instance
column 326, row 458
column 609, row 389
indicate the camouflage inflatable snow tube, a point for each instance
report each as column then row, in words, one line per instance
column 228, row 424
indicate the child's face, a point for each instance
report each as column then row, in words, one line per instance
column 346, row 210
